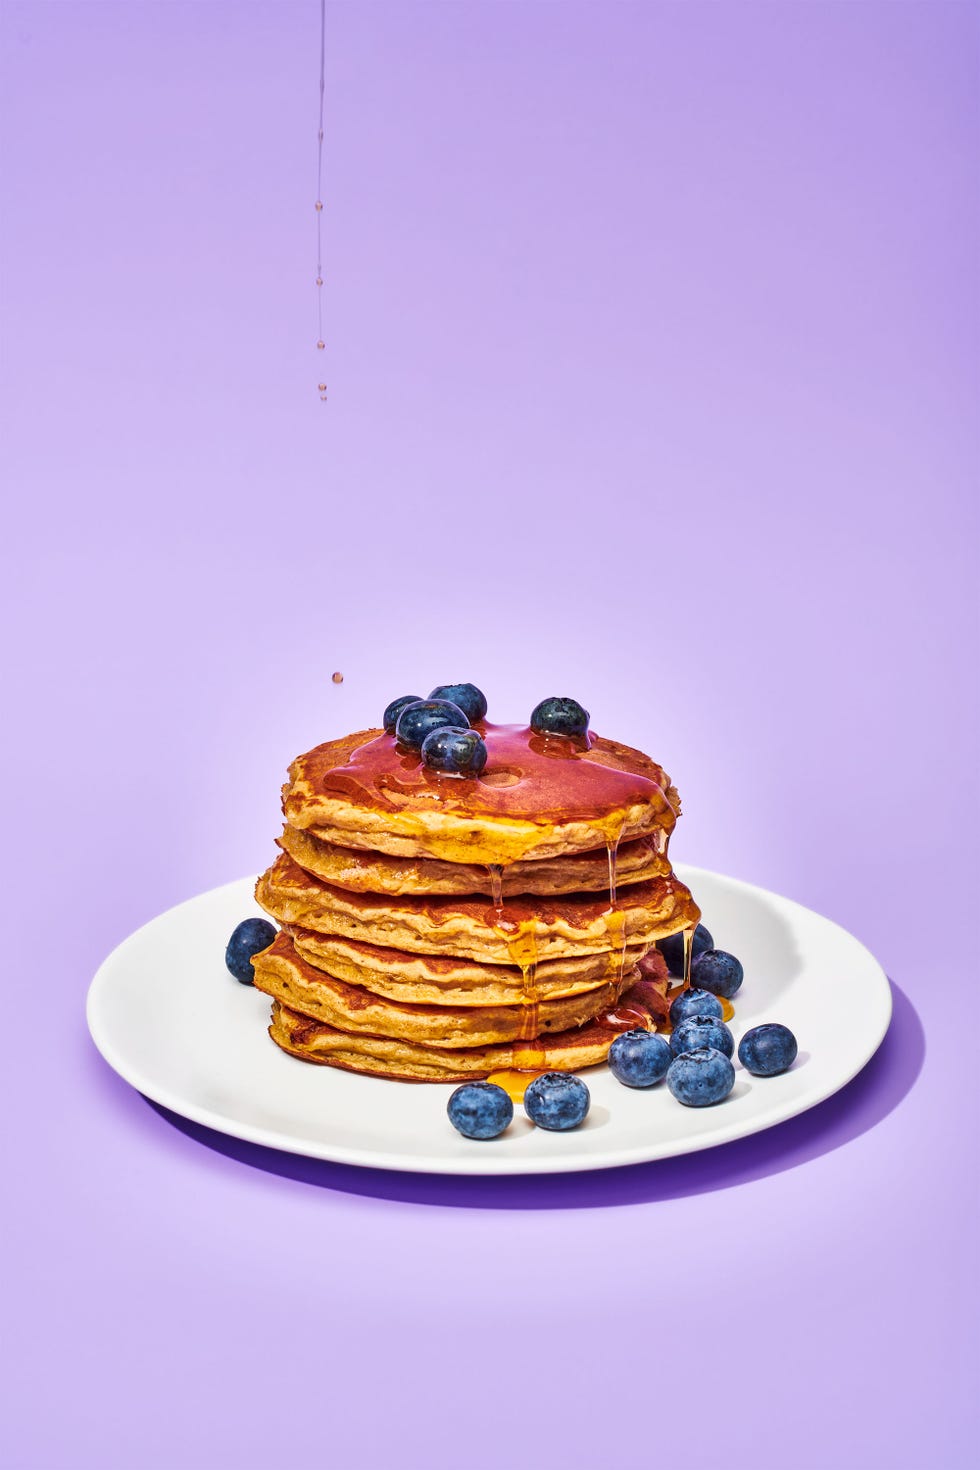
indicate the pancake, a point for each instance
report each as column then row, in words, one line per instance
column 518, row 932
column 413, row 1061
column 538, row 797
column 362, row 871
column 454, row 980
column 289, row 979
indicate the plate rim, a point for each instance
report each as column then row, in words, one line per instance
column 487, row 1166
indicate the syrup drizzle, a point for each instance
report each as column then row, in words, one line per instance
column 522, row 946
column 318, row 205
column 612, row 848
column 521, row 938
column 727, row 1009
column 523, row 950
column 616, row 919
column 496, row 872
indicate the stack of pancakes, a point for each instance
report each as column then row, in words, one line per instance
column 445, row 928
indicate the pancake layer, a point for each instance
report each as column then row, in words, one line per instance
column 454, row 980
column 413, row 1061
column 516, row 932
column 296, row 984
column 362, row 871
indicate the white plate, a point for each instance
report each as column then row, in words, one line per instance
column 167, row 1016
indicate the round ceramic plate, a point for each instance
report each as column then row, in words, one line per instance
column 168, row 1017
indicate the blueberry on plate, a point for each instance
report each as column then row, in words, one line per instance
column 248, row 938
column 560, row 716
column 698, row 1031
column 395, row 708
column 480, row 1110
column 556, row 1101
column 639, row 1058
column 417, row 719
column 672, row 948
column 700, row 1078
column 767, row 1050
column 455, row 751
column 718, row 971
column 694, row 1003
column 472, row 701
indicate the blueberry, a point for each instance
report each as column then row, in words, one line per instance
column 449, row 748
column 394, row 710
column 639, row 1058
column 417, row 719
column 247, row 939
column 694, row 1003
column 767, row 1050
column 557, row 1100
column 672, row 948
column 480, row 1110
column 472, row 701
column 695, row 1032
column 559, row 716
column 718, row 971
column 702, row 1077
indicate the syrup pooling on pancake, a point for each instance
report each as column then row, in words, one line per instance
column 537, row 797
column 551, row 777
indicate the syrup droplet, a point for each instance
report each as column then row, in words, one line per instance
column 321, row 344
column 338, row 677
column 319, row 280
column 323, row 397
column 318, row 205
column 322, row 387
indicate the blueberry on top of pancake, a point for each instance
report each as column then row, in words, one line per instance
column 425, row 715
column 472, row 701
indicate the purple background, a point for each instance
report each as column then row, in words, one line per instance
column 652, row 348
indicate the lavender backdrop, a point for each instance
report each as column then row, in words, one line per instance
column 652, row 348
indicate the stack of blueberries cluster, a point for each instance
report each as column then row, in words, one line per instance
column 696, row 1058
column 439, row 728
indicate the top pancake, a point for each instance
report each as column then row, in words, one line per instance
column 538, row 797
